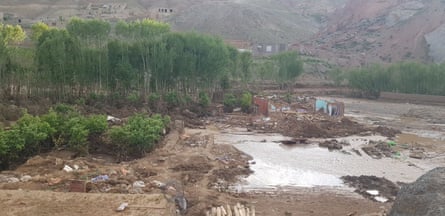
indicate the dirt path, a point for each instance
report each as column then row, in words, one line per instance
column 43, row 203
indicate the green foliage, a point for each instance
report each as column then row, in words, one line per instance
column 289, row 65
column 37, row 30
column 246, row 101
column 172, row 99
column 337, row 76
column 411, row 78
column 204, row 99
column 24, row 139
column 154, row 100
column 230, row 102
column 33, row 130
column 138, row 136
column 76, row 135
column 72, row 129
column 96, row 124
column 133, row 98
column 225, row 82
column 64, row 127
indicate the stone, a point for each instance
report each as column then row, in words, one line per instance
column 26, row 178
column 424, row 197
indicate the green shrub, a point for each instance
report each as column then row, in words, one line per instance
column 80, row 101
column 229, row 102
column 172, row 99
column 204, row 99
column 72, row 129
column 34, row 131
column 64, row 109
column 133, row 98
column 76, row 135
column 96, row 124
column 153, row 100
column 11, row 145
column 246, row 101
column 24, row 139
column 138, row 136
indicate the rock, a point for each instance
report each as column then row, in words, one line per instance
column 13, row 180
column 417, row 155
column 138, row 184
column 67, row 168
column 3, row 178
column 25, row 178
column 54, row 181
column 424, row 197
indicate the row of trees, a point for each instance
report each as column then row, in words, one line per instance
column 412, row 78
column 139, row 57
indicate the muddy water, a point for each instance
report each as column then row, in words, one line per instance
column 277, row 165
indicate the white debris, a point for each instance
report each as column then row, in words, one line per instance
column 67, row 168
column 138, row 184
column 158, row 183
column 122, row 207
column 381, row 199
column 76, row 167
column 113, row 119
column 25, row 178
column 13, row 180
column 373, row 192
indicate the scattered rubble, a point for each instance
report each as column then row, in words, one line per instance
column 332, row 144
column 372, row 187
column 378, row 150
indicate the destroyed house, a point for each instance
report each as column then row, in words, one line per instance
column 332, row 108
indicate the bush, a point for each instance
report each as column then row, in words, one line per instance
column 204, row 99
column 246, row 101
column 73, row 130
column 133, row 98
column 229, row 102
column 172, row 99
column 24, row 139
column 154, row 100
column 138, row 136
column 34, row 131
column 96, row 124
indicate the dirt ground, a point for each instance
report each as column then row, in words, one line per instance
column 189, row 164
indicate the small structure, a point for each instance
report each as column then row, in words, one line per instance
column 267, row 49
column 332, row 108
column 261, row 106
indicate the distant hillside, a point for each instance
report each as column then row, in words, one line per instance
column 374, row 31
column 266, row 21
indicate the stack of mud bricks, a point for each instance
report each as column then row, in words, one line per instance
column 77, row 186
column 237, row 210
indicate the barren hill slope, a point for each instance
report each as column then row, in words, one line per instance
column 374, row 31
column 271, row 21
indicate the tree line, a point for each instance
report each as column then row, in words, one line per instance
column 405, row 77
column 96, row 57
column 126, row 58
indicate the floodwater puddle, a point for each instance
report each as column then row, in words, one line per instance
column 306, row 165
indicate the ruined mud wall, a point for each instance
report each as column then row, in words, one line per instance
column 413, row 98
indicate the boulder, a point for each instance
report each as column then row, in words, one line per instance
column 424, row 197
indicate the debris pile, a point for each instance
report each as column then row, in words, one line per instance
column 332, row 144
column 372, row 187
column 378, row 150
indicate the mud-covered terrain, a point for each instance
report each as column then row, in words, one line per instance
column 322, row 166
